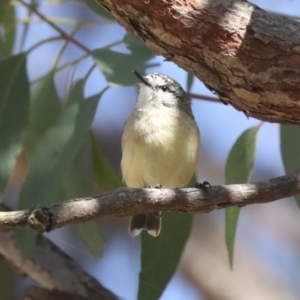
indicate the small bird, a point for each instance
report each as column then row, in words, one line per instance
column 160, row 143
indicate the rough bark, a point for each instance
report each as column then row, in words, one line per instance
column 127, row 202
column 250, row 58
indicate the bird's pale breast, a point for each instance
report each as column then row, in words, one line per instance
column 159, row 148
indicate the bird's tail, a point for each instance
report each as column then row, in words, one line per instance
column 150, row 222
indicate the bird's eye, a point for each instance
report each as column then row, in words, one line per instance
column 165, row 88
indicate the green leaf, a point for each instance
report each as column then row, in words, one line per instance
column 90, row 231
column 78, row 182
column 189, row 81
column 238, row 170
column 193, row 181
column 55, row 151
column 7, row 21
column 45, row 107
column 104, row 175
column 241, row 157
column 137, row 47
column 290, row 149
column 232, row 216
column 25, row 239
column 117, row 67
column 100, row 10
column 161, row 255
column 14, row 105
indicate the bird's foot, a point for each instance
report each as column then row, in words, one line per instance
column 204, row 185
column 158, row 186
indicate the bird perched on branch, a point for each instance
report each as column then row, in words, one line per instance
column 160, row 143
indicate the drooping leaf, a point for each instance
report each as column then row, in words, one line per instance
column 189, row 81
column 8, row 24
column 55, row 151
column 137, row 47
column 161, row 255
column 238, row 170
column 45, row 107
column 241, row 157
column 117, row 67
column 290, row 149
column 25, row 239
column 78, row 182
column 100, row 10
column 104, row 175
column 92, row 236
column 14, row 103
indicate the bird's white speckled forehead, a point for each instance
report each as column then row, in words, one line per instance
column 159, row 79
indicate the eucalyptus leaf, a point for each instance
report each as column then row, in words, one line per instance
column 290, row 149
column 45, row 107
column 56, row 150
column 98, row 9
column 8, row 24
column 238, row 170
column 137, row 47
column 241, row 157
column 25, row 239
column 93, row 238
column 189, row 81
column 104, row 175
column 14, row 105
column 78, row 182
column 161, row 255
column 117, row 67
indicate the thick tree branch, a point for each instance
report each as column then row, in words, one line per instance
column 52, row 269
column 249, row 57
column 127, row 202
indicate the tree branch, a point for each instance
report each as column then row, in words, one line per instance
column 248, row 56
column 127, row 202
column 52, row 269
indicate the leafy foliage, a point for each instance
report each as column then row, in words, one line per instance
column 104, row 175
column 7, row 21
column 58, row 147
column 45, row 107
column 238, row 170
column 290, row 149
column 13, row 113
column 161, row 255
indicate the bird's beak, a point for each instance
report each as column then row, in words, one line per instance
column 141, row 78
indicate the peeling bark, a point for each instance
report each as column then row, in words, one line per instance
column 250, row 58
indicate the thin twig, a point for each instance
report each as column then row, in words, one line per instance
column 204, row 97
column 52, row 39
column 54, row 26
column 89, row 72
